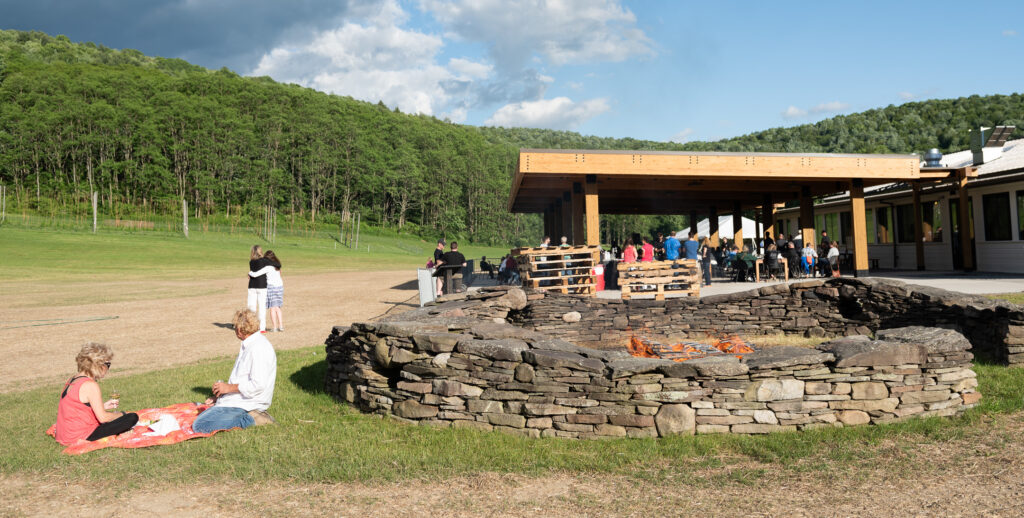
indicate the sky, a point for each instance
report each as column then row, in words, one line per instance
column 649, row 69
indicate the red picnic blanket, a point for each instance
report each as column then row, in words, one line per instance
column 184, row 413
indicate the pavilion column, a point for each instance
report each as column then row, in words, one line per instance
column 591, row 210
column 806, row 216
column 860, row 231
column 693, row 223
column 578, row 235
column 768, row 215
column 737, row 225
column 965, row 221
column 918, row 231
column 566, row 218
column 713, row 227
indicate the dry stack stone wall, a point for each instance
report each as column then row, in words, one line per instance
column 455, row 365
column 837, row 307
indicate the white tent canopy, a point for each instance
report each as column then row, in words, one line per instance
column 725, row 228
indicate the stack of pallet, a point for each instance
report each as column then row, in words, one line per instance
column 560, row 269
column 660, row 277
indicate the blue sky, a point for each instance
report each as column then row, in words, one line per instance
column 658, row 70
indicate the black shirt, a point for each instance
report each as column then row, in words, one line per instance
column 438, row 253
column 255, row 265
column 453, row 259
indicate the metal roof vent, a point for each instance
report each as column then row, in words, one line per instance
column 987, row 143
column 933, row 158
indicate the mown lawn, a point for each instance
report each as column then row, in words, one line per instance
column 320, row 440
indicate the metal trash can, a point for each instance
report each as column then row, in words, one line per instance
column 427, row 284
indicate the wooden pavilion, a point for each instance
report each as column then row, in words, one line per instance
column 573, row 187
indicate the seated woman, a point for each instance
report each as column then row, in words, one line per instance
column 81, row 412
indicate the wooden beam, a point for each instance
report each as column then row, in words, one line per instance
column 918, row 231
column 713, row 227
column 858, row 217
column 965, row 221
column 737, row 225
column 578, row 235
column 593, row 220
column 768, row 215
column 807, row 217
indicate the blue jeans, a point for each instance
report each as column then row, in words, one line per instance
column 221, row 418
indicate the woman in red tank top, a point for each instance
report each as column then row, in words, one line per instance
column 81, row 412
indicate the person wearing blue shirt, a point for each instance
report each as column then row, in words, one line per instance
column 671, row 248
column 691, row 247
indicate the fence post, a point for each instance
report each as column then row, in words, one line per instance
column 3, row 204
column 358, row 221
column 95, row 196
column 184, row 216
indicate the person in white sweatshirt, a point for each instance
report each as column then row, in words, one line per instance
column 275, row 291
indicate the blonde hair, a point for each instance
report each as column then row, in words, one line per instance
column 92, row 357
column 246, row 322
column 256, row 252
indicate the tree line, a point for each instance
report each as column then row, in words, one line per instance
column 147, row 132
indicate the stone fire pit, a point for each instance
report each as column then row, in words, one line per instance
column 463, row 364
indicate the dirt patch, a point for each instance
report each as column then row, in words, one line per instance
column 978, row 476
column 184, row 322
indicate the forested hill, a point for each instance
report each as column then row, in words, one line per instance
column 147, row 132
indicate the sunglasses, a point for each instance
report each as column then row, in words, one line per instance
column 107, row 364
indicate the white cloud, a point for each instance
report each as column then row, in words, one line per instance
column 682, row 136
column 562, row 31
column 1009, row 33
column 575, row 85
column 557, row 113
column 794, row 113
column 830, row 107
column 907, row 96
column 467, row 69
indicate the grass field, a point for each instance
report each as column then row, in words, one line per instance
column 52, row 256
column 320, row 440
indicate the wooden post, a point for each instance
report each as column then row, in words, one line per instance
column 95, row 200
column 918, row 231
column 358, row 221
column 965, row 221
column 737, row 225
column 593, row 218
column 578, row 235
column 566, row 218
column 713, row 227
column 858, row 218
column 693, row 223
column 806, row 216
column 3, row 204
column 768, row 215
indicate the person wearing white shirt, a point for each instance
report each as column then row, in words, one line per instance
column 275, row 290
column 244, row 399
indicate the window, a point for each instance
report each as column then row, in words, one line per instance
column 883, row 225
column 869, row 221
column 845, row 229
column 931, row 221
column 1020, row 215
column 996, row 209
column 829, row 223
column 905, row 223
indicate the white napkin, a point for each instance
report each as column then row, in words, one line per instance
column 163, row 426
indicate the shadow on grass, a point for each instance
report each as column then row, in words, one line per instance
column 408, row 286
column 311, row 377
column 203, row 391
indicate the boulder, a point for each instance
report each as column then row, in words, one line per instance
column 785, row 356
column 675, row 420
column 774, row 390
column 572, row 317
column 859, row 351
column 514, row 298
column 410, row 409
column 934, row 339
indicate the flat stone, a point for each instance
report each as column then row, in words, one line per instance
column 407, row 329
column 867, row 405
column 632, row 420
column 438, row 342
column 860, row 352
column 626, row 367
column 853, row 417
column 483, row 406
column 539, row 422
column 498, row 331
column 610, row 430
column 455, row 388
column 512, row 420
column 756, row 428
column 785, row 356
column 410, row 409
column 505, row 349
column 870, row 390
column 936, row 340
column 555, row 344
column 401, row 356
column 774, row 390
column 586, row 418
column 925, row 396
column 712, row 366
column 675, row 420
column 817, row 388
column 545, row 409
column 555, row 359
column 682, row 370
column 420, row 388
column 765, row 417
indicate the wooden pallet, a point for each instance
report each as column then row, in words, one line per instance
column 558, row 269
column 659, row 278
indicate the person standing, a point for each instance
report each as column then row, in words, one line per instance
column 243, row 401
column 275, row 290
column 833, row 258
column 672, row 246
column 692, row 247
column 629, row 252
column 257, row 294
column 438, row 252
column 648, row 251
column 705, row 260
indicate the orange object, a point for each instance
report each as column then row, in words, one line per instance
column 184, row 413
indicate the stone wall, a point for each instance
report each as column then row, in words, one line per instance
column 458, row 364
column 837, row 307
